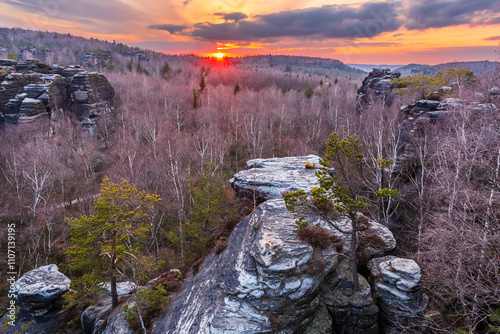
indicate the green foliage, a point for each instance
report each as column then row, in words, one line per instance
column 141, row 70
column 117, row 234
column 12, row 56
column 195, row 98
column 309, row 91
column 386, row 193
column 203, row 84
column 166, row 71
column 208, row 212
column 494, row 320
column 151, row 303
column 237, row 88
column 422, row 85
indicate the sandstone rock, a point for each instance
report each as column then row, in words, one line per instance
column 117, row 324
column 269, row 178
column 378, row 84
column 122, row 288
column 376, row 239
column 91, row 96
column 8, row 62
column 261, row 283
column 94, row 319
column 494, row 91
column 47, row 91
column 38, row 298
column 352, row 311
column 401, row 301
column 43, row 284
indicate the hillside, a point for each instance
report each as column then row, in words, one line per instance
column 94, row 54
column 475, row 66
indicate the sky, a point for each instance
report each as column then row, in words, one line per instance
column 364, row 32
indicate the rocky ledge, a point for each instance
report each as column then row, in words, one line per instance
column 268, row 178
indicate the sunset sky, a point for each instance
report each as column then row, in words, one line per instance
column 392, row 32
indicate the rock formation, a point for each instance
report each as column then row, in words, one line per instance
column 267, row 280
column 377, row 85
column 400, row 299
column 38, row 298
column 30, row 90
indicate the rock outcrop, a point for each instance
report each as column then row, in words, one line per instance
column 400, row 299
column 38, row 298
column 102, row 318
column 268, row 178
column 31, row 90
column 377, row 85
column 262, row 282
column 91, row 97
column 269, row 281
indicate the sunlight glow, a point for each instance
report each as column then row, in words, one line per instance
column 219, row 55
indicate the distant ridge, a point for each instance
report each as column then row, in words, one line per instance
column 368, row 68
column 474, row 66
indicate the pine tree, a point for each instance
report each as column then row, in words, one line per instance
column 114, row 236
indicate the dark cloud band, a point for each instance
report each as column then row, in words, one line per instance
column 171, row 28
column 332, row 21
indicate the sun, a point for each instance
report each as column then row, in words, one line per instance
column 219, row 55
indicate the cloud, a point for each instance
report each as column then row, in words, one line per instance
column 235, row 17
column 492, row 38
column 186, row 2
column 330, row 21
column 90, row 10
column 425, row 14
column 171, row 28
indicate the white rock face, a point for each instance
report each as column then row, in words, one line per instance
column 122, row 288
column 264, row 271
column 269, row 178
column 42, row 284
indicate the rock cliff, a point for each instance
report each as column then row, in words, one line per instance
column 31, row 90
column 269, row 281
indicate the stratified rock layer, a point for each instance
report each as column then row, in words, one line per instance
column 401, row 301
column 39, row 91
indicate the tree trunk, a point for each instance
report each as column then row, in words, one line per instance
column 354, row 256
column 114, row 293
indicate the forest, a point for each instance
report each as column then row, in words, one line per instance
column 184, row 125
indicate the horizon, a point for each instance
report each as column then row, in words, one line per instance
column 354, row 32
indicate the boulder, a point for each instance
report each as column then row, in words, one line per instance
column 122, row 288
column 8, row 62
column 39, row 288
column 268, row 178
column 38, row 298
column 400, row 299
